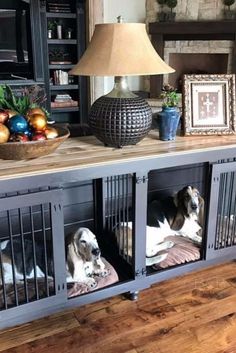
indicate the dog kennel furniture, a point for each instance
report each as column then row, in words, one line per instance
column 86, row 184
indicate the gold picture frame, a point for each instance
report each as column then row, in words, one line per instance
column 209, row 104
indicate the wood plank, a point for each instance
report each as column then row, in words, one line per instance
column 36, row 330
column 84, row 152
column 155, row 323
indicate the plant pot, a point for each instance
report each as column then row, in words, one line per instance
column 228, row 14
column 168, row 120
column 50, row 33
column 162, row 16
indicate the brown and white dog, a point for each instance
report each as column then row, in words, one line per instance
column 84, row 258
column 184, row 213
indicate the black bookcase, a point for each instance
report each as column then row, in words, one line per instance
column 62, row 49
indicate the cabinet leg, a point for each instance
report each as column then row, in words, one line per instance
column 133, row 295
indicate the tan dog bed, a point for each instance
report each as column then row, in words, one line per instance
column 77, row 288
column 74, row 289
column 183, row 251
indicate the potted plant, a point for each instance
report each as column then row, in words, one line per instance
column 228, row 13
column 51, row 29
column 168, row 118
column 171, row 4
column 162, row 14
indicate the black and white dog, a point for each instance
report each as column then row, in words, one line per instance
column 83, row 259
column 16, row 267
column 184, row 213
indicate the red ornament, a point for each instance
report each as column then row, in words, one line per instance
column 4, row 133
column 4, row 116
column 18, row 138
column 39, row 137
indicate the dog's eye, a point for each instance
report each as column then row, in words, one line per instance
column 83, row 241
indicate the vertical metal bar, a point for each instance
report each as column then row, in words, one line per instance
column 233, row 226
column 34, row 253
column 23, row 254
column 112, row 205
column 225, row 195
column 123, row 218
column 218, row 216
column 3, row 279
column 127, row 219
column 115, row 206
column 221, row 211
column 12, row 257
column 230, row 194
column 45, row 248
column 109, row 203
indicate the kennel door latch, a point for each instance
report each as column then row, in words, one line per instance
column 142, row 180
column 141, row 273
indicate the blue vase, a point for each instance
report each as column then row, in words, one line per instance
column 168, row 123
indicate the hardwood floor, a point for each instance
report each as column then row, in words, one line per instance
column 195, row 313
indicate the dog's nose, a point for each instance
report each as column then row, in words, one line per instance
column 193, row 206
column 96, row 252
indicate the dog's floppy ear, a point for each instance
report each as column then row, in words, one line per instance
column 178, row 221
column 201, row 216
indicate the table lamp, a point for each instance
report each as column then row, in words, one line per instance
column 120, row 118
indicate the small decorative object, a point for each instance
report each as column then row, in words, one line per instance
column 68, row 33
column 59, row 31
column 39, row 137
column 24, row 134
column 162, row 15
column 4, row 133
column 51, row 29
column 120, row 118
column 171, row 4
column 17, row 124
column 58, row 56
column 168, row 118
column 51, row 132
column 209, row 104
column 228, row 13
column 38, row 122
column 4, row 116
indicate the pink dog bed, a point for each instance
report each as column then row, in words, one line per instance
column 75, row 289
column 183, row 251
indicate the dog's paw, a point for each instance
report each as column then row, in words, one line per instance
column 104, row 273
column 169, row 244
column 91, row 283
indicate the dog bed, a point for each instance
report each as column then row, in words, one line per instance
column 20, row 290
column 75, row 289
column 184, row 250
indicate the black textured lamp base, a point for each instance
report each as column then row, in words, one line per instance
column 119, row 122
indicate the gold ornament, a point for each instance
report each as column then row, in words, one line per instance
column 50, row 132
column 4, row 133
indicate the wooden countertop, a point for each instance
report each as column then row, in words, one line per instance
column 83, row 152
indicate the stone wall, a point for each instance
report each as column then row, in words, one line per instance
column 187, row 10
column 192, row 10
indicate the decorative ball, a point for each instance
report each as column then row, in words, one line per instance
column 39, row 137
column 17, row 124
column 4, row 133
column 4, row 116
column 33, row 111
column 38, row 122
column 18, row 138
column 28, row 133
column 50, row 132
column 11, row 113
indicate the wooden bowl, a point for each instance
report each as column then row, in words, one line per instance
column 32, row 149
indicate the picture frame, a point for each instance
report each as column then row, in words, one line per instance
column 209, row 104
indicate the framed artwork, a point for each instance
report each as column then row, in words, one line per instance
column 209, row 104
